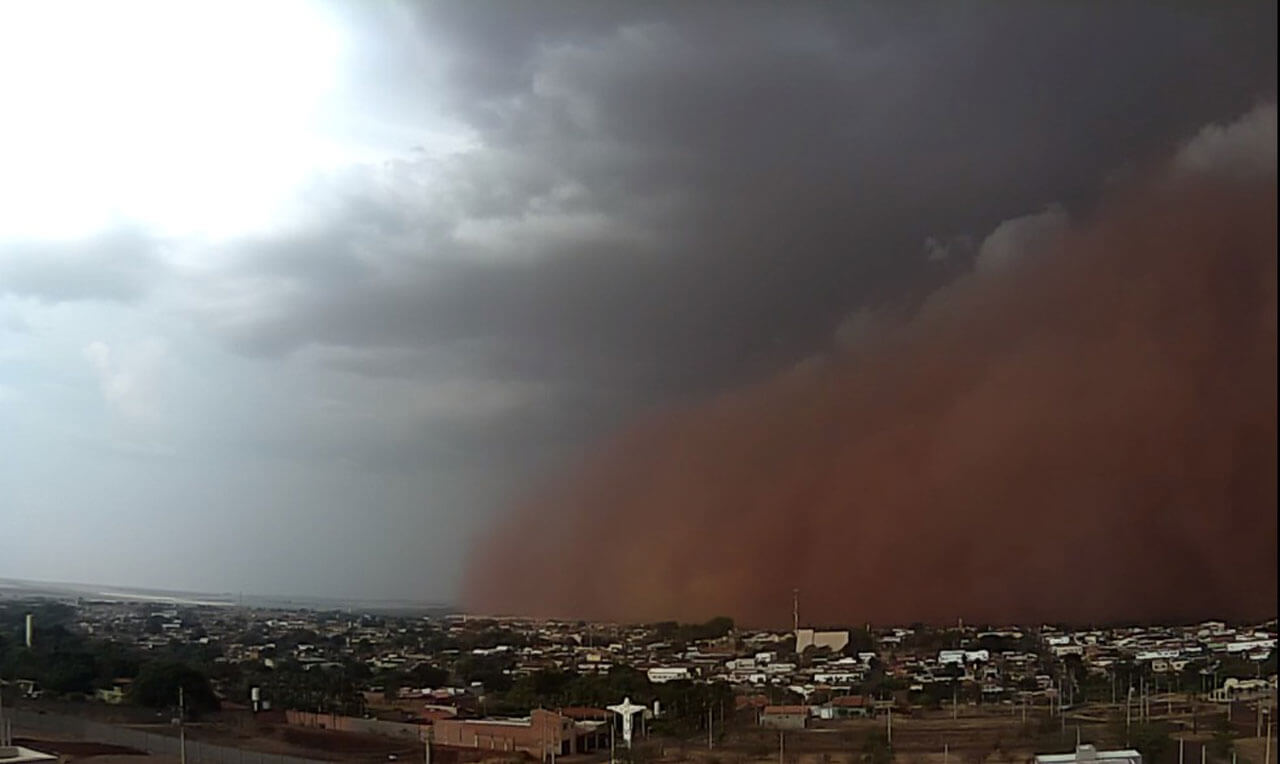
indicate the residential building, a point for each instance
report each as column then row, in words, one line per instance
column 785, row 717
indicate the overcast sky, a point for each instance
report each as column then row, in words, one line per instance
column 294, row 297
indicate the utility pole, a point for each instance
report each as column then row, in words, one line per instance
column 954, row 708
column 612, row 726
column 781, row 755
column 1181, row 745
column 426, row 742
column 946, row 750
column 710, row 723
column 182, row 729
column 1266, row 758
column 889, row 733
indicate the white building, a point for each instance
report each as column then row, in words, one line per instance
column 1234, row 689
column 660, row 675
column 832, row 640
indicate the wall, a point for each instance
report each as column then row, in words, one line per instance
column 783, row 721
column 354, row 724
column 835, row 640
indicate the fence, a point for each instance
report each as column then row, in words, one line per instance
column 197, row 752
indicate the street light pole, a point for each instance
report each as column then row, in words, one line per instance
column 710, row 721
column 1128, row 713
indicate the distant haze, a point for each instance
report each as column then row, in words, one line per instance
column 1083, row 429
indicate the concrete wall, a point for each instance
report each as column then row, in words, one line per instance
column 784, row 721
column 834, row 640
column 354, row 724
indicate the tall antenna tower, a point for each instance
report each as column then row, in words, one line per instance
column 795, row 609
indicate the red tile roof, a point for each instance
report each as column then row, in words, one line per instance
column 750, row 701
column 785, row 710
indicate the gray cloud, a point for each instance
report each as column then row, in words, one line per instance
column 118, row 265
column 671, row 199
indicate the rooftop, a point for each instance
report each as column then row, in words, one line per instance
column 786, row 710
column 1086, row 753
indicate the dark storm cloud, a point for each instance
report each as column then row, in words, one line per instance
column 670, row 199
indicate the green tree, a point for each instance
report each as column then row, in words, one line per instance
column 69, row 672
column 157, row 687
column 489, row 670
column 426, row 675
